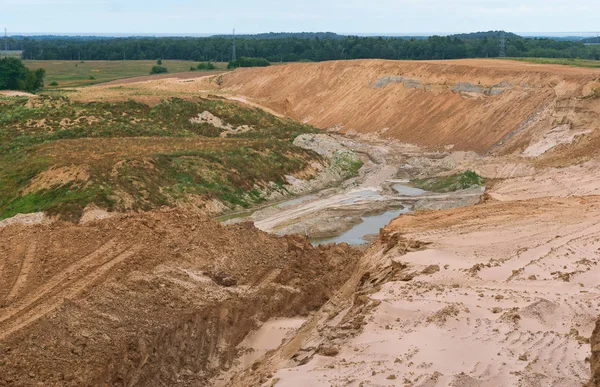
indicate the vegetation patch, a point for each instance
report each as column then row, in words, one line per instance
column 74, row 73
column 139, row 157
column 15, row 76
column 467, row 179
column 248, row 62
column 576, row 62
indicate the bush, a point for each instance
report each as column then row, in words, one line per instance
column 158, row 70
column 159, row 62
column 54, row 83
column 206, row 66
column 248, row 62
column 15, row 76
column 450, row 183
column 92, row 77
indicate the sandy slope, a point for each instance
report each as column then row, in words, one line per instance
column 513, row 303
column 480, row 105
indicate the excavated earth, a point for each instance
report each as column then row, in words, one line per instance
column 160, row 298
column 502, row 293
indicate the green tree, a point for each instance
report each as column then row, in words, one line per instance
column 158, row 70
column 15, row 76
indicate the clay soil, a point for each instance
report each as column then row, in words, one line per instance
column 152, row 299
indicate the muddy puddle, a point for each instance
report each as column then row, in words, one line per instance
column 354, row 211
column 405, row 190
column 369, row 226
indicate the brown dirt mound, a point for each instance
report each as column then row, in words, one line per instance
column 159, row 298
column 480, row 105
column 595, row 360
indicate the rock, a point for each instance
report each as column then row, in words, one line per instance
column 431, row 269
column 329, row 351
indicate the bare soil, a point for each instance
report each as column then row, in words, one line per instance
column 150, row 299
column 501, row 293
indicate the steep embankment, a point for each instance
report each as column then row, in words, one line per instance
column 159, row 298
column 486, row 298
column 480, row 105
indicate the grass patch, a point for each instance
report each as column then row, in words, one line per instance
column 450, row 183
column 141, row 157
column 348, row 163
column 73, row 73
column 562, row 61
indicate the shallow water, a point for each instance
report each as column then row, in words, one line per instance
column 369, row 226
column 405, row 190
column 299, row 200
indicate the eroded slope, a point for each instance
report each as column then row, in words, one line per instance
column 489, row 298
column 480, row 105
column 150, row 299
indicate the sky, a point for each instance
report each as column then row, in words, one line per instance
column 341, row 16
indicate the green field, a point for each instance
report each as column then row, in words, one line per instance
column 562, row 61
column 75, row 73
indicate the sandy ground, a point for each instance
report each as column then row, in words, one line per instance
column 494, row 300
column 503, row 293
column 121, row 301
column 12, row 93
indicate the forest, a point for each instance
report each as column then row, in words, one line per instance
column 301, row 47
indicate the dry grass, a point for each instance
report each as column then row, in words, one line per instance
column 72, row 73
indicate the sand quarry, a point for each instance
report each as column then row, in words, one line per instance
column 494, row 288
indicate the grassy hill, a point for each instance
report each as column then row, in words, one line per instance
column 59, row 156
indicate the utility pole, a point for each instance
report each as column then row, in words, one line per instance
column 502, row 45
column 233, row 51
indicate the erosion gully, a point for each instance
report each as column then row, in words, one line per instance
column 355, row 210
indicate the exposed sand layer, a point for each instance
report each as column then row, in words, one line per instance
column 494, row 300
column 480, row 105
column 503, row 293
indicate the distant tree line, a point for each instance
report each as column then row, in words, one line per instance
column 15, row 76
column 311, row 48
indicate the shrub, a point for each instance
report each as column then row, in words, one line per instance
column 54, row 83
column 206, row 66
column 92, row 77
column 159, row 62
column 15, row 76
column 158, row 70
column 450, row 183
column 248, row 62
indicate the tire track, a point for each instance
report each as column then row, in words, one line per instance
column 70, row 290
column 23, row 273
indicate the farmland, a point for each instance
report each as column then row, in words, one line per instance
column 68, row 74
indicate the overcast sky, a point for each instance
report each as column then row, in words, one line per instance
column 342, row 16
